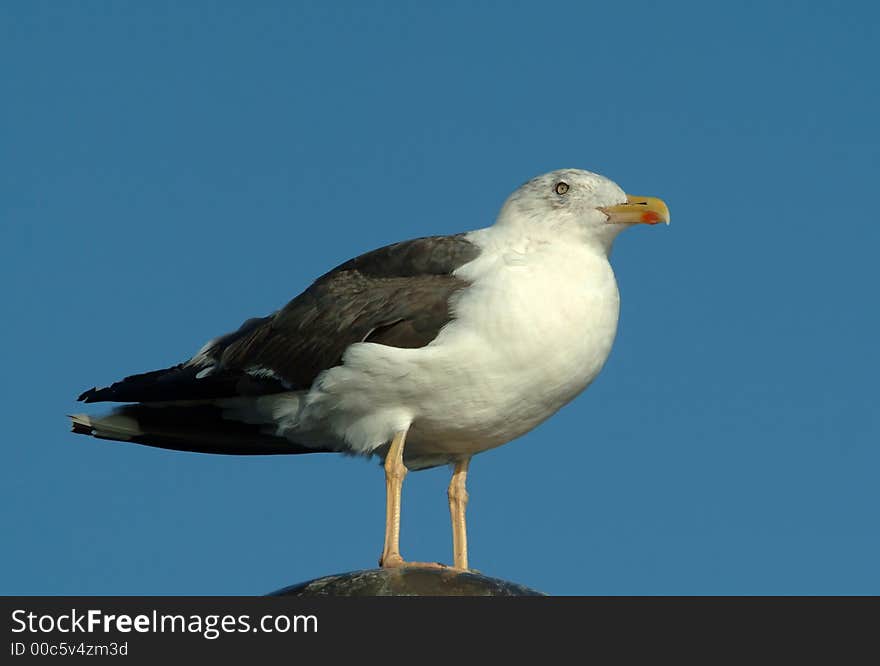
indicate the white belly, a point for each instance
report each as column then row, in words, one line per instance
column 528, row 337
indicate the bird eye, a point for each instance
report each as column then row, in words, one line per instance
column 561, row 187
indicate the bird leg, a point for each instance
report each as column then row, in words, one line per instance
column 458, row 499
column 395, row 471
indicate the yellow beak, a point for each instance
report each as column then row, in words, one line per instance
column 638, row 210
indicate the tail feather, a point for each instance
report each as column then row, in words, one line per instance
column 200, row 428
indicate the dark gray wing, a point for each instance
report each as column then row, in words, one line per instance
column 397, row 295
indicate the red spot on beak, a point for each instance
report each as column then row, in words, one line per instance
column 650, row 217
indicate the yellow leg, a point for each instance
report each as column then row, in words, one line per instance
column 395, row 471
column 458, row 499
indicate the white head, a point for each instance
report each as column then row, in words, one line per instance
column 571, row 202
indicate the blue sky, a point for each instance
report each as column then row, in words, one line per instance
column 172, row 168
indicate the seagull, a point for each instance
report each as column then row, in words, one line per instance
column 421, row 353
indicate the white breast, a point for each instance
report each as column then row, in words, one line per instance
column 535, row 329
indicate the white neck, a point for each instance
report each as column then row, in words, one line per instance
column 593, row 231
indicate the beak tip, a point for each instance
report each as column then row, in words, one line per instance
column 644, row 210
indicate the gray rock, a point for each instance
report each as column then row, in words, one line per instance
column 407, row 582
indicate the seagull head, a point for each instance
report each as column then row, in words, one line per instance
column 572, row 202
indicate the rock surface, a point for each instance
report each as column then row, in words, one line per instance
column 407, row 582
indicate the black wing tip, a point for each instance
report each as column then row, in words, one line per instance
column 90, row 396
